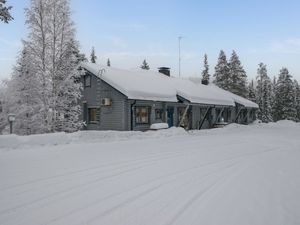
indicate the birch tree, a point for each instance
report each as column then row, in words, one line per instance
column 53, row 56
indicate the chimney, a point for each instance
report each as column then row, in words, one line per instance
column 164, row 70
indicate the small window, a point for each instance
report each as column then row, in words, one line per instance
column 92, row 115
column 142, row 115
column 87, row 81
column 158, row 114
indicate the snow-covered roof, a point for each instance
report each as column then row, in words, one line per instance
column 141, row 85
column 198, row 93
column 238, row 99
column 154, row 86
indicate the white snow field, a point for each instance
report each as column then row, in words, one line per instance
column 238, row 175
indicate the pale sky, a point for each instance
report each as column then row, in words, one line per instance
column 129, row 31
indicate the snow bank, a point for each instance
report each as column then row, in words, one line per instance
column 159, row 126
column 17, row 142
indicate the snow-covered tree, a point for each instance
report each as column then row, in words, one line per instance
column 23, row 95
column 4, row 12
column 264, row 94
column 108, row 62
column 3, row 105
column 93, row 56
column 80, row 57
column 145, row 65
column 205, row 72
column 273, row 96
column 68, row 109
column 54, row 59
column 221, row 75
column 284, row 106
column 297, row 99
column 237, row 82
column 251, row 92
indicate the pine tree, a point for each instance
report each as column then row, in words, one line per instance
column 237, row 82
column 145, row 65
column 80, row 57
column 284, row 107
column 205, row 72
column 93, row 56
column 221, row 74
column 297, row 99
column 108, row 62
column 23, row 99
column 264, row 94
column 251, row 92
column 273, row 97
column 5, row 16
column 3, row 105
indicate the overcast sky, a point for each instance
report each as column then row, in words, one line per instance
column 129, row 31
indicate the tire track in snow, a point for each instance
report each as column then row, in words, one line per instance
column 138, row 196
column 201, row 194
column 196, row 197
column 106, row 165
column 79, row 171
column 132, row 169
column 91, row 174
column 173, row 175
column 124, row 172
column 26, row 204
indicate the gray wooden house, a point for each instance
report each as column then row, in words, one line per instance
column 115, row 99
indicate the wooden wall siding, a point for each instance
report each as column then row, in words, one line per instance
column 109, row 117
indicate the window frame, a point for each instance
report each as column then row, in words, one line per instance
column 160, row 113
column 89, row 84
column 139, row 121
column 95, row 115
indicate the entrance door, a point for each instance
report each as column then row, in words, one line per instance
column 170, row 116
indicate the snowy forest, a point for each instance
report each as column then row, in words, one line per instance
column 44, row 89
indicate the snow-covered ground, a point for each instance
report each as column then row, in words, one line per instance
column 237, row 175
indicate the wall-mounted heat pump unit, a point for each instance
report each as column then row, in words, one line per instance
column 106, row 101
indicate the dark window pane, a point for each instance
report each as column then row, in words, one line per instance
column 158, row 114
column 92, row 115
column 87, row 80
column 142, row 115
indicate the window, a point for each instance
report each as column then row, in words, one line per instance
column 92, row 112
column 158, row 114
column 87, row 81
column 142, row 115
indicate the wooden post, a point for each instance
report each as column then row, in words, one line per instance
column 238, row 114
column 184, row 114
column 218, row 116
column 205, row 115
